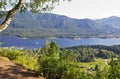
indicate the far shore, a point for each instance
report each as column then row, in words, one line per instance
column 71, row 37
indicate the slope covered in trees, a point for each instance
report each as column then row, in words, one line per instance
column 51, row 25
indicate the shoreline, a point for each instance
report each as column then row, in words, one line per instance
column 74, row 38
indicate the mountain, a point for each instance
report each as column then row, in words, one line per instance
column 52, row 25
column 112, row 21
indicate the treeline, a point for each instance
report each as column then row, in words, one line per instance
column 53, row 63
column 89, row 53
column 114, row 48
column 39, row 33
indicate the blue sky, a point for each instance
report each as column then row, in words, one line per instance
column 88, row 8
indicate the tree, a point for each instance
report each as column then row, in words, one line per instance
column 50, row 49
column 86, row 55
column 54, row 50
column 68, row 56
column 105, row 54
column 49, row 60
column 23, row 5
column 54, row 65
column 114, row 69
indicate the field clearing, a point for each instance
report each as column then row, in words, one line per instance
column 102, row 63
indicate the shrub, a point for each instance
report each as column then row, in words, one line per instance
column 12, row 54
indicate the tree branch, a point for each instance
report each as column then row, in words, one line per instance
column 10, row 15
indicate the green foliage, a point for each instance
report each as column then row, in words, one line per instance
column 48, row 60
column 52, row 63
column 32, row 5
column 11, row 53
column 105, row 54
column 96, row 67
column 28, row 61
column 98, row 72
column 50, row 49
column 83, row 54
column 22, row 57
column 54, row 50
column 110, row 72
column 72, row 71
column 90, row 52
column 114, row 70
column 49, row 68
column 56, row 65
column 87, row 55
column 68, row 56
column 66, row 67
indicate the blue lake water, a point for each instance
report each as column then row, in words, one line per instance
column 9, row 41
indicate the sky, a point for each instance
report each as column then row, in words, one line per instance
column 92, row 9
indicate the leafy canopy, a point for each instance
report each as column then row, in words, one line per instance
column 32, row 5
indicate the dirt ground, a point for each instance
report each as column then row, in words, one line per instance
column 10, row 70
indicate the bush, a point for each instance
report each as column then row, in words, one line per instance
column 12, row 54
column 49, row 68
column 28, row 62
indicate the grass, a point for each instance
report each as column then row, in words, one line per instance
column 87, row 65
column 5, row 58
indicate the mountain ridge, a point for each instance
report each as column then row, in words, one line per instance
column 53, row 25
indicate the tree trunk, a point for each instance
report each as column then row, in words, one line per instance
column 10, row 15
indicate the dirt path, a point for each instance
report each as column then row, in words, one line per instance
column 10, row 70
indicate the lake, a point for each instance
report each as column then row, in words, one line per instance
column 9, row 41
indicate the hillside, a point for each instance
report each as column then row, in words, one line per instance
column 52, row 25
column 10, row 70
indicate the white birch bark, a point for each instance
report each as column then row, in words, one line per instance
column 10, row 15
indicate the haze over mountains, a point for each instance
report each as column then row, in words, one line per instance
column 52, row 25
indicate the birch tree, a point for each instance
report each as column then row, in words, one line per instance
column 34, row 6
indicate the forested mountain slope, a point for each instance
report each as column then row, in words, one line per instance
column 52, row 25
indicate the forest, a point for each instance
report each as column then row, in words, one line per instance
column 53, row 62
column 53, row 25
column 90, row 52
